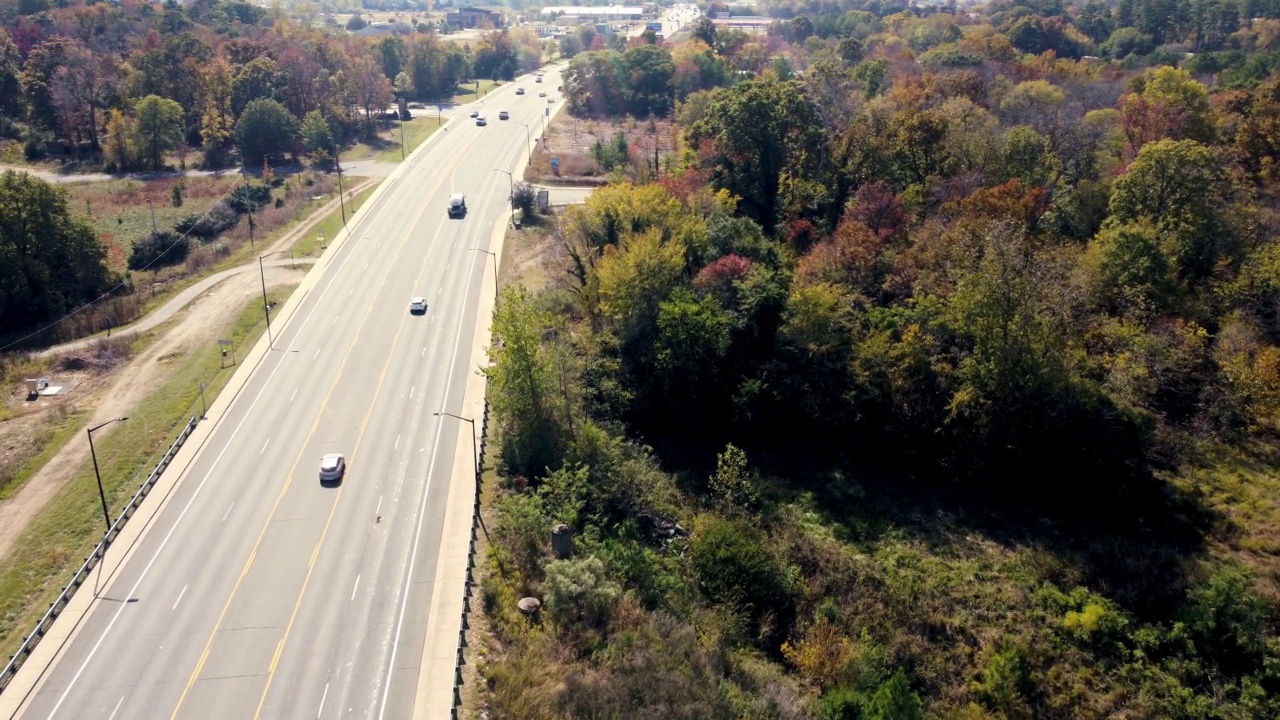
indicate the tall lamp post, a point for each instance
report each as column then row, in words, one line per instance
column 511, row 198
column 106, row 514
column 528, row 139
column 337, row 164
column 495, row 272
column 474, row 452
column 266, row 310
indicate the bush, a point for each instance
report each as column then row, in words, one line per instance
column 522, row 198
column 733, row 566
column 578, row 592
column 158, row 250
column 248, row 198
column 218, row 220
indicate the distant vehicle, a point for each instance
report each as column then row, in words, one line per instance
column 538, row 79
column 457, row 205
column 502, row 115
column 542, row 94
column 519, row 91
column 550, row 100
column 418, row 306
column 332, row 467
column 480, row 121
column 475, row 113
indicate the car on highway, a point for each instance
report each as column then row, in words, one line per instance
column 332, row 467
column 481, row 122
column 457, row 205
column 418, row 306
column 542, row 94
column 519, row 91
column 550, row 100
column 538, row 79
column 502, row 115
column 475, row 113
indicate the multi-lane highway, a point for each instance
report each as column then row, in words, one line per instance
column 259, row 593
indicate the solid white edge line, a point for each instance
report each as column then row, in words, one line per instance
column 178, row 521
column 422, row 509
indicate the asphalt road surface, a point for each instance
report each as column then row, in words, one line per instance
column 260, row 593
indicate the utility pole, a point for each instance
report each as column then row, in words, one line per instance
column 248, row 204
column 341, row 202
column 153, row 218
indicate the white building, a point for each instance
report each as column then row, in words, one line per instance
column 602, row 12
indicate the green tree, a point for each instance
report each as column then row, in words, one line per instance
column 521, row 386
column 894, row 700
column 50, row 260
column 157, row 127
column 265, row 131
column 1180, row 187
column 732, row 484
column 635, row 277
column 216, row 118
column 10, row 77
column 1131, row 272
column 649, row 80
column 259, row 79
column 734, row 566
column 317, row 139
column 760, row 129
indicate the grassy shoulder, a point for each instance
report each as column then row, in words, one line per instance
column 66, row 530
column 330, row 226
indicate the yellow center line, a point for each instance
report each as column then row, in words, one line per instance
column 275, row 660
column 253, row 554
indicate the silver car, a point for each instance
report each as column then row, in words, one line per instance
column 332, row 467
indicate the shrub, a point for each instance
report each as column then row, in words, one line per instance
column 578, row 592
column 158, row 250
column 248, row 198
column 218, row 220
column 733, row 566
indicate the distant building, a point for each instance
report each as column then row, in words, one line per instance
column 592, row 14
column 467, row 18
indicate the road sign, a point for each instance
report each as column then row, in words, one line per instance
column 555, row 166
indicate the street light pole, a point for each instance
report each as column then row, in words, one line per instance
column 265, row 309
column 528, row 140
column 106, row 514
column 495, row 272
column 474, row 452
column 511, row 197
column 338, row 164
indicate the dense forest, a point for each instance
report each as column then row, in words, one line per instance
column 144, row 86
column 934, row 374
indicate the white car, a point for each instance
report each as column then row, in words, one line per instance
column 519, row 91
column 332, row 467
column 418, row 305
column 542, row 94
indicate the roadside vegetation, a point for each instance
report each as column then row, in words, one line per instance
column 938, row 377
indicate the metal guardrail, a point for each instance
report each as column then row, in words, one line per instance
column 56, row 607
column 471, row 563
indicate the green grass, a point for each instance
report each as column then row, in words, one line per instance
column 468, row 92
column 331, row 225
column 416, row 132
column 66, row 530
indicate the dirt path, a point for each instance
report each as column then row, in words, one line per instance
column 128, row 384
column 201, row 312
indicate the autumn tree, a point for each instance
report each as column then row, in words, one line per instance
column 260, row 79
column 370, row 89
column 83, row 86
column 10, row 77
column 216, row 119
